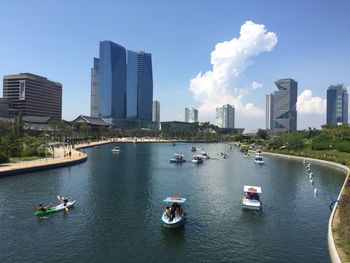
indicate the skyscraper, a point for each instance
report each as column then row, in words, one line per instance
column 122, row 85
column 33, row 95
column 269, row 111
column 337, row 105
column 284, row 113
column 191, row 115
column 156, row 113
column 94, row 88
column 139, row 85
column 225, row 116
column 112, row 81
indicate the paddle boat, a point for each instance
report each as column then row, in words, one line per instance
column 115, row 149
column 259, row 159
column 251, row 197
column 193, row 149
column 205, row 155
column 178, row 158
column 173, row 216
column 247, row 155
column 197, row 159
column 55, row 209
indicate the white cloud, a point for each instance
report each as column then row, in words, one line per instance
column 255, row 85
column 307, row 104
column 230, row 59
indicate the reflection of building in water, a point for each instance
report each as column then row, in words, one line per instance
column 33, row 95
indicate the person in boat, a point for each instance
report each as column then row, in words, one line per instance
column 41, row 207
column 167, row 211
column 64, row 201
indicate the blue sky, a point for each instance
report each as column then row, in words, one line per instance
column 58, row 40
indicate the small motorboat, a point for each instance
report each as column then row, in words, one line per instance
column 259, row 159
column 178, row 158
column 115, row 149
column 251, row 197
column 173, row 216
column 197, row 159
column 193, row 149
column 54, row 209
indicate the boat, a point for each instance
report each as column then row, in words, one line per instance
column 205, row 155
column 193, row 149
column 115, row 149
column 55, row 209
column 259, row 159
column 173, row 144
column 197, row 159
column 173, row 216
column 246, row 155
column 178, row 158
column 251, row 198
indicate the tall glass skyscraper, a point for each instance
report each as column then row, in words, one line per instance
column 156, row 113
column 284, row 114
column 337, row 105
column 121, row 84
column 191, row 115
column 225, row 116
column 269, row 111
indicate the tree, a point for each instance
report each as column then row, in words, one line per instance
column 262, row 134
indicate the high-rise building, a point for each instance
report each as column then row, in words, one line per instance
column 156, row 112
column 284, row 113
column 225, row 116
column 191, row 115
column 121, row 84
column 33, row 95
column 269, row 111
column 139, row 85
column 337, row 105
column 94, row 88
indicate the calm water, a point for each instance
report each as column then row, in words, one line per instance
column 119, row 205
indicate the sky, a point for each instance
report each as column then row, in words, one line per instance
column 204, row 53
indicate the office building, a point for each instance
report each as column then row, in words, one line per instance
column 33, row 95
column 268, row 111
column 156, row 113
column 94, row 88
column 284, row 112
column 122, row 85
column 225, row 116
column 337, row 105
column 191, row 115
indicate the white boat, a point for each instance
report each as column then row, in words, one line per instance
column 259, row 159
column 197, row 159
column 115, row 149
column 251, row 198
column 247, row 155
column 173, row 216
column 178, row 158
column 205, row 155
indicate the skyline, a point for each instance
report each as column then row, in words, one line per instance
column 183, row 42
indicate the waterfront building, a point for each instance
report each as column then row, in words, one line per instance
column 94, row 88
column 337, row 105
column 191, row 115
column 122, row 86
column 284, row 112
column 156, row 113
column 33, row 95
column 268, row 111
column 225, row 116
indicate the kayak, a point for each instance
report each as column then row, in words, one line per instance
column 54, row 209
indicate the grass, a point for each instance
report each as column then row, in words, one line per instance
column 22, row 159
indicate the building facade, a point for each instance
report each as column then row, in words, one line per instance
column 94, row 88
column 225, row 116
column 337, row 105
column 191, row 115
column 284, row 112
column 33, row 95
column 268, row 111
column 121, row 85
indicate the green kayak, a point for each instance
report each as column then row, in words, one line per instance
column 54, row 209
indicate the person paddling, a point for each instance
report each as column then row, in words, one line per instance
column 64, row 201
column 41, row 207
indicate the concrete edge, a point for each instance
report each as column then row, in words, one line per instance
column 331, row 244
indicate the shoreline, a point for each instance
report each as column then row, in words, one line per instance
column 333, row 252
